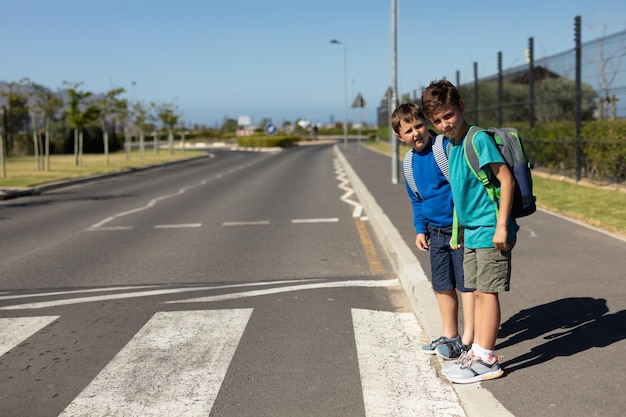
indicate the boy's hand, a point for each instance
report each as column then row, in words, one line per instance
column 421, row 242
column 500, row 238
column 459, row 240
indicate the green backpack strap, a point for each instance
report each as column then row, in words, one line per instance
column 454, row 241
column 471, row 157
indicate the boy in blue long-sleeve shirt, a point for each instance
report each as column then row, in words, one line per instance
column 432, row 218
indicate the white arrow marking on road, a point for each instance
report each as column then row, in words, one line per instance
column 398, row 380
column 174, row 366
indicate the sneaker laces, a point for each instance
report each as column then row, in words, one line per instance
column 465, row 359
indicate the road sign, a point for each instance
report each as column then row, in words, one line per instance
column 270, row 129
column 359, row 102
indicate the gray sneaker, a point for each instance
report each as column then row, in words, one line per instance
column 431, row 348
column 452, row 350
column 464, row 360
column 475, row 371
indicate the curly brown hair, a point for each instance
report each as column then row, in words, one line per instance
column 438, row 94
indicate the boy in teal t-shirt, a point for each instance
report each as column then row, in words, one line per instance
column 488, row 230
column 433, row 217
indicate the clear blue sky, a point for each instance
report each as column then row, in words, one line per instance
column 273, row 59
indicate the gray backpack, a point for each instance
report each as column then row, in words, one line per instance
column 509, row 143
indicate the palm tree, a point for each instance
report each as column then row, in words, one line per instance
column 169, row 119
column 109, row 105
column 49, row 105
column 79, row 119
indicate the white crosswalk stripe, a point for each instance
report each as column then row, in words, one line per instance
column 171, row 367
column 396, row 379
column 17, row 329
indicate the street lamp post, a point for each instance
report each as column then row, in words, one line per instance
column 345, row 91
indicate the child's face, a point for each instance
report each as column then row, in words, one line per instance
column 414, row 134
column 450, row 121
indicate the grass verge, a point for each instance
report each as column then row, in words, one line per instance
column 21, row 172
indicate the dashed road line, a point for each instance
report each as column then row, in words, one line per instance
column 178, row 226
column 327, row 220
column 249, row 223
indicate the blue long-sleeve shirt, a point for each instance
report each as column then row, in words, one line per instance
column 435, row 206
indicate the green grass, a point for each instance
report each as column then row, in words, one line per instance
column 22, row 172
column 597, row 206
column 601, row 207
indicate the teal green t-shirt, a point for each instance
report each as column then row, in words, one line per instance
column 476, row 213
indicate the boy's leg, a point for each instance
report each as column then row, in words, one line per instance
column 448, row 309
column 492, row 270
column 442, row 277
column 467, row 296
column 487, row 317
column 468, row 300
column 493, row 277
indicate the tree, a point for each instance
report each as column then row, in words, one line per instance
column 80, row 118
column 169, row 119
column 140, row 114
column 607, row 65
column 109, row 106
column 556, row 100
column 122, row 115
column 15, row 114
column 48, row 104
column 229, row 125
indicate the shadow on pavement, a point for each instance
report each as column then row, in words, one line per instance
column 569, row 326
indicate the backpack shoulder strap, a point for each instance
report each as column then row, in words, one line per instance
column 471, row 155
column 407, row 170
column 441, row 158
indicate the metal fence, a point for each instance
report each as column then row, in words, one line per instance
column 550, row 98
column 602, row 72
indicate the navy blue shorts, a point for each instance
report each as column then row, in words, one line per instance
column 446, row 265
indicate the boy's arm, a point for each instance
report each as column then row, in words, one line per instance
column 507, row 187
column 419, row 221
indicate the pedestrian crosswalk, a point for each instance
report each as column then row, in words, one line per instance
column 176, row 363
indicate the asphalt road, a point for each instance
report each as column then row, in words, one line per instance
column 241, row 284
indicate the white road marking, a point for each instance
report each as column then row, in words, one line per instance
column 17, row 329
column 327, row 220
column 109, row 228
column 174, row 366
column 269, row 291
column 398, row 380
column 180, row 191
column 341, row 176
column 135, row 294
column 251, row 223
column 177, row 226
column 45, row 294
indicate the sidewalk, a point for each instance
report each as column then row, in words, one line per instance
column 390, row 215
